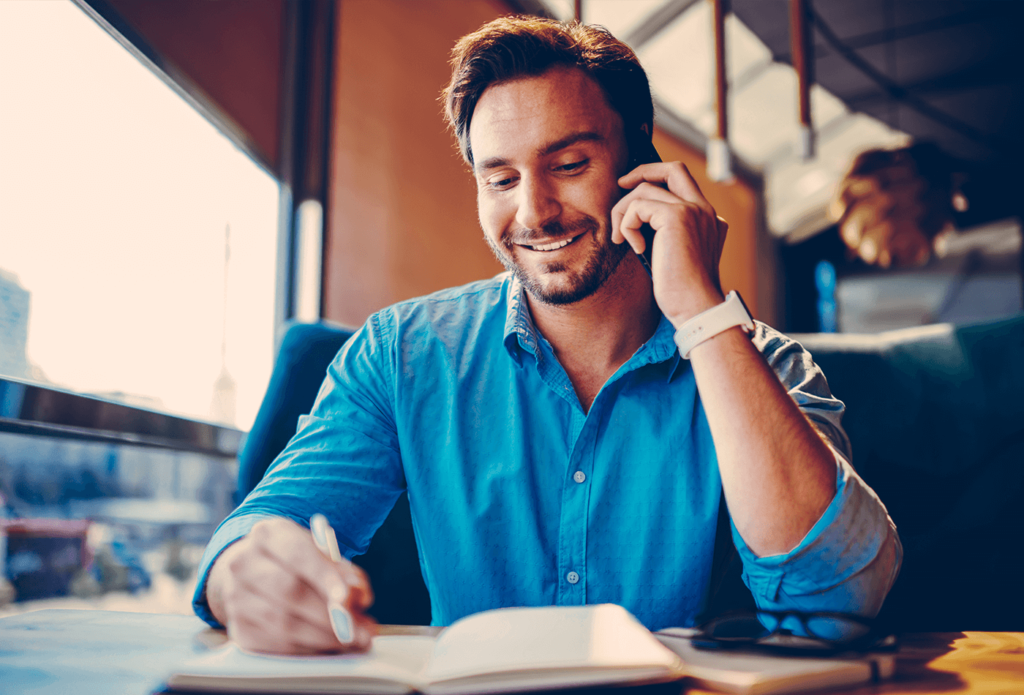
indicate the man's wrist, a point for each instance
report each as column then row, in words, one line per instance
column 725, row 316
column 216, row 576
column 696, row 304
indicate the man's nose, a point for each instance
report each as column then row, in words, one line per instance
column 537, row 202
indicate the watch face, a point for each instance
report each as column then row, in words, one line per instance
column 750, row 319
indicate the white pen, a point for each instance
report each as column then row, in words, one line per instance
column 327, row 542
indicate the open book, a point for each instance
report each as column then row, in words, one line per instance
column 522, row 649
column 504, row 650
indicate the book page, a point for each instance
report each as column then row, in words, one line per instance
column 555, row 638
column 395, row 664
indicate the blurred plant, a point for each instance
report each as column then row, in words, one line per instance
column 893, row 206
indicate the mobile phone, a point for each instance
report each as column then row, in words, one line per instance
column 641, row 151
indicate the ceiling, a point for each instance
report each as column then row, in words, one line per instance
column 886, row 71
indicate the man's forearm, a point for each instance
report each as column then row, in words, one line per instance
column 778, row 474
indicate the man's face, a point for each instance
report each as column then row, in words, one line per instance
column 547, row 155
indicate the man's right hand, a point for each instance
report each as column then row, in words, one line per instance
column 271, row 588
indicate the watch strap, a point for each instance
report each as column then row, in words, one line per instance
column 707, row 324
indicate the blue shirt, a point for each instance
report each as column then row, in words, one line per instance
column 520, row 498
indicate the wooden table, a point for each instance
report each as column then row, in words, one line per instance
column 92, row 652
column 954, row 662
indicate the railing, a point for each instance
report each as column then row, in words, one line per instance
column 29, row 408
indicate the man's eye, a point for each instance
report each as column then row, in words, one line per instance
column 501, row 184
column 572, row 167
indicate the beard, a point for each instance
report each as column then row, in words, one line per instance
column 576, row 285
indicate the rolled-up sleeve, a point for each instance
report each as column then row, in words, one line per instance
column 850, row 558
column 343, row 461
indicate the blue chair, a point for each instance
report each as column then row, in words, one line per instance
column 936, row 418
column 391, row 560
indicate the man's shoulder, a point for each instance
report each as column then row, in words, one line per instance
column 453, row 308
column 496, row 285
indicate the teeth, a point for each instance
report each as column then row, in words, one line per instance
column 554, row 245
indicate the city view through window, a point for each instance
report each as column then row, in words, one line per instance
column 136, row 241
column 137, row 264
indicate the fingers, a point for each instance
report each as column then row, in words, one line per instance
column 293, row 548
column 275, row 589
column 260, row 576
column 668, row 213
column 262, row 627
column 688, row 240
column 628, row 228
column 674, row 175
column 258, row 624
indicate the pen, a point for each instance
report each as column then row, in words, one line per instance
column 327, row 542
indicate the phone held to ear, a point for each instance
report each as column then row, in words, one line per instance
column 642, row 151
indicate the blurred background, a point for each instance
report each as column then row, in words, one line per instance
column 180, row 179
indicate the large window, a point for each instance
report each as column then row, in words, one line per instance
column 137, row 264
column 137, row 242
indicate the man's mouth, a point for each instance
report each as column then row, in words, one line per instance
column 554, row 245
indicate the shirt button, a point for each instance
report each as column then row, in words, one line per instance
column 579, row 476
column 572, row 577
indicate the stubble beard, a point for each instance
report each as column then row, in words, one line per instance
column 575, row 285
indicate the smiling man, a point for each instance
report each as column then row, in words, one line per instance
column 555, row 124
column 566, row 431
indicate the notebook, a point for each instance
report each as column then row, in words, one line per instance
column 519, row 650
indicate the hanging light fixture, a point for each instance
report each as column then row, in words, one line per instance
column 719, row 159
column 803, row 62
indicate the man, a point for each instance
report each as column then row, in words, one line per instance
column 556, row 446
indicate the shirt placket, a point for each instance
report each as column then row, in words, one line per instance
column 572, row 538
column 575, row 493
column 577, row 474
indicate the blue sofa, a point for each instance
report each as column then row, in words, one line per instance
column 936, row 418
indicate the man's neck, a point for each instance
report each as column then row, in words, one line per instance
column 594, row 337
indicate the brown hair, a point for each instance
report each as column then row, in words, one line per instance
column 513, row 47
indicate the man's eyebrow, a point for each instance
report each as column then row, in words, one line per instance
column 586, row 136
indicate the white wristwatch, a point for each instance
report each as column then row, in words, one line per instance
column 708, row 324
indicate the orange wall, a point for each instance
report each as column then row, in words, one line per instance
column 402, row 206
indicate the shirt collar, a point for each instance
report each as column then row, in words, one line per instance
column 663, row 346
column 521, row 334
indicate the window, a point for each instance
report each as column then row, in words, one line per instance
column 137, row 242
column 137, row 264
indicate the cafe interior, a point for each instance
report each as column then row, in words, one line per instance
column 202, row 199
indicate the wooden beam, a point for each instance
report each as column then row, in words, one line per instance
column 719, row 166
column 803, row 59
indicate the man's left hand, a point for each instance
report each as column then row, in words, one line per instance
column 688, row 239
